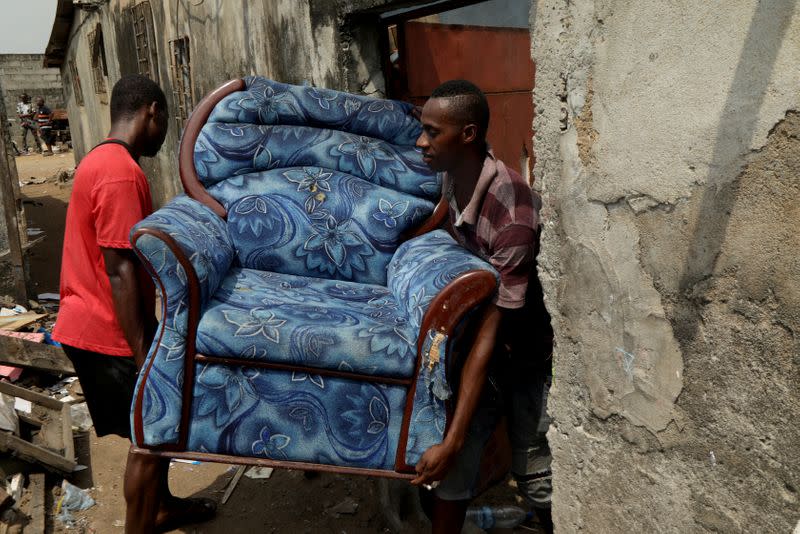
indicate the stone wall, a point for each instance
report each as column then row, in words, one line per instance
column 24, row 73
column 668, row 151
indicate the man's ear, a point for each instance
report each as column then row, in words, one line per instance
column 152, row 109
column 469, row 133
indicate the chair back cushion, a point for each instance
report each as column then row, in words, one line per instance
column 316, row 182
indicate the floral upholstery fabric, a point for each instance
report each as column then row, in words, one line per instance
column 204, row 237
column 309, row 322
column 244, row 411
column 421, row 268
column 308, row 270
column 429, row 412
column 269, row 102
column 312, row 221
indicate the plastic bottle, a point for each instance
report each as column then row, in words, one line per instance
column 487, row 517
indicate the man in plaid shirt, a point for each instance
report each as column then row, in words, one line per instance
column 494, row 214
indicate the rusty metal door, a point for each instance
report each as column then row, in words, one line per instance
column 498, row 60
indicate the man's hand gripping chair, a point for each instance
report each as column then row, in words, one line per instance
column 309, row 303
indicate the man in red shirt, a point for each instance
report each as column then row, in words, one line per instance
column 106, row 320
column 495, row 215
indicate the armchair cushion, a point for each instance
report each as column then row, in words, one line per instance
column 316, row 222
column 245, row 411
column 308, row 322
column 421, row 268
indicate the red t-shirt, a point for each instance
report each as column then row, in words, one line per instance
column 110, row 194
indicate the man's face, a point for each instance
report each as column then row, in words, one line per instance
column 441, row 140
column 156, row 131
column 39, row 102
column 25, row 99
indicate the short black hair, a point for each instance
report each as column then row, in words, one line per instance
column 132, row 92
column 469, row 103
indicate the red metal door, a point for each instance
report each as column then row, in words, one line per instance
column 498, row 60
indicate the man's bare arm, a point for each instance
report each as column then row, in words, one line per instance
column 137, row 323
column 436, row 461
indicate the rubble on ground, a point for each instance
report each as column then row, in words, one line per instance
column 41, row 409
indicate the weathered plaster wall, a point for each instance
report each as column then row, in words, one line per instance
column 668, row 151
column 320, row 42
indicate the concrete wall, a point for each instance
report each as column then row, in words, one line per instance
column 295, row 41
column 23, row 73
column 668, row 150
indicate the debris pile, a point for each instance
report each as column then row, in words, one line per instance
column 42, row 410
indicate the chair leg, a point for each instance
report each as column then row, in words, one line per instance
column 143, row 492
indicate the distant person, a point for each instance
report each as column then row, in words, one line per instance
column 106, row 320
column 44, row 122
column 25, row 112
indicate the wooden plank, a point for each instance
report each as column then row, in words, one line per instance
column 233, row 483
column 21, row 320
column 13, row 215
column 33, row 453
column 37, row 511
column 38, row 398
column 24, row 353
column 66, row 432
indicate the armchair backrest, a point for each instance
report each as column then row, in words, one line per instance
column 315, row 182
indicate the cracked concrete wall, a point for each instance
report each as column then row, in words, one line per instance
column 668, row 153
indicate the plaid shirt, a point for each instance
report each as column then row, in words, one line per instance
column 500, row 224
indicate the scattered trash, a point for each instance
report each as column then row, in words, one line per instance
column 491, row 517
column 16, row 310
column 23, row 405
column 349, row 506
column 234, row 481
column 259, row 472
column 33, row 231
column 81, row 418
column 73, row 499
column 712, row 458
column 10, row 373
column 48, row 296
column 119, row 523
column 182, row 461
column 8, row 415
column 15, row 486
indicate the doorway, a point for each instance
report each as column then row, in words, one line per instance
column 487, row 43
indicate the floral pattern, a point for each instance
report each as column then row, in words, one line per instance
column 313, row 221
column 307, row 270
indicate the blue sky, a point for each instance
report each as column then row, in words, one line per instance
column 25, row 25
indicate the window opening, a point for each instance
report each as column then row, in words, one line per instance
column 146, row 56
column 181, row 68
column 486, row 42
column 98, row 55
column 76, row 82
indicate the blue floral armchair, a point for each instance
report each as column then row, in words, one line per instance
column 309, row 304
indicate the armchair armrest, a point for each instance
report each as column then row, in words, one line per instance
column 187, row 250
column 439, row 283
column 423, row 266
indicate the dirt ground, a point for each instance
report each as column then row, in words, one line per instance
column 45, row 208
column 289, row 501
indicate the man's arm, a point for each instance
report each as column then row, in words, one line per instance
column 436, row 461
column 137, row 323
